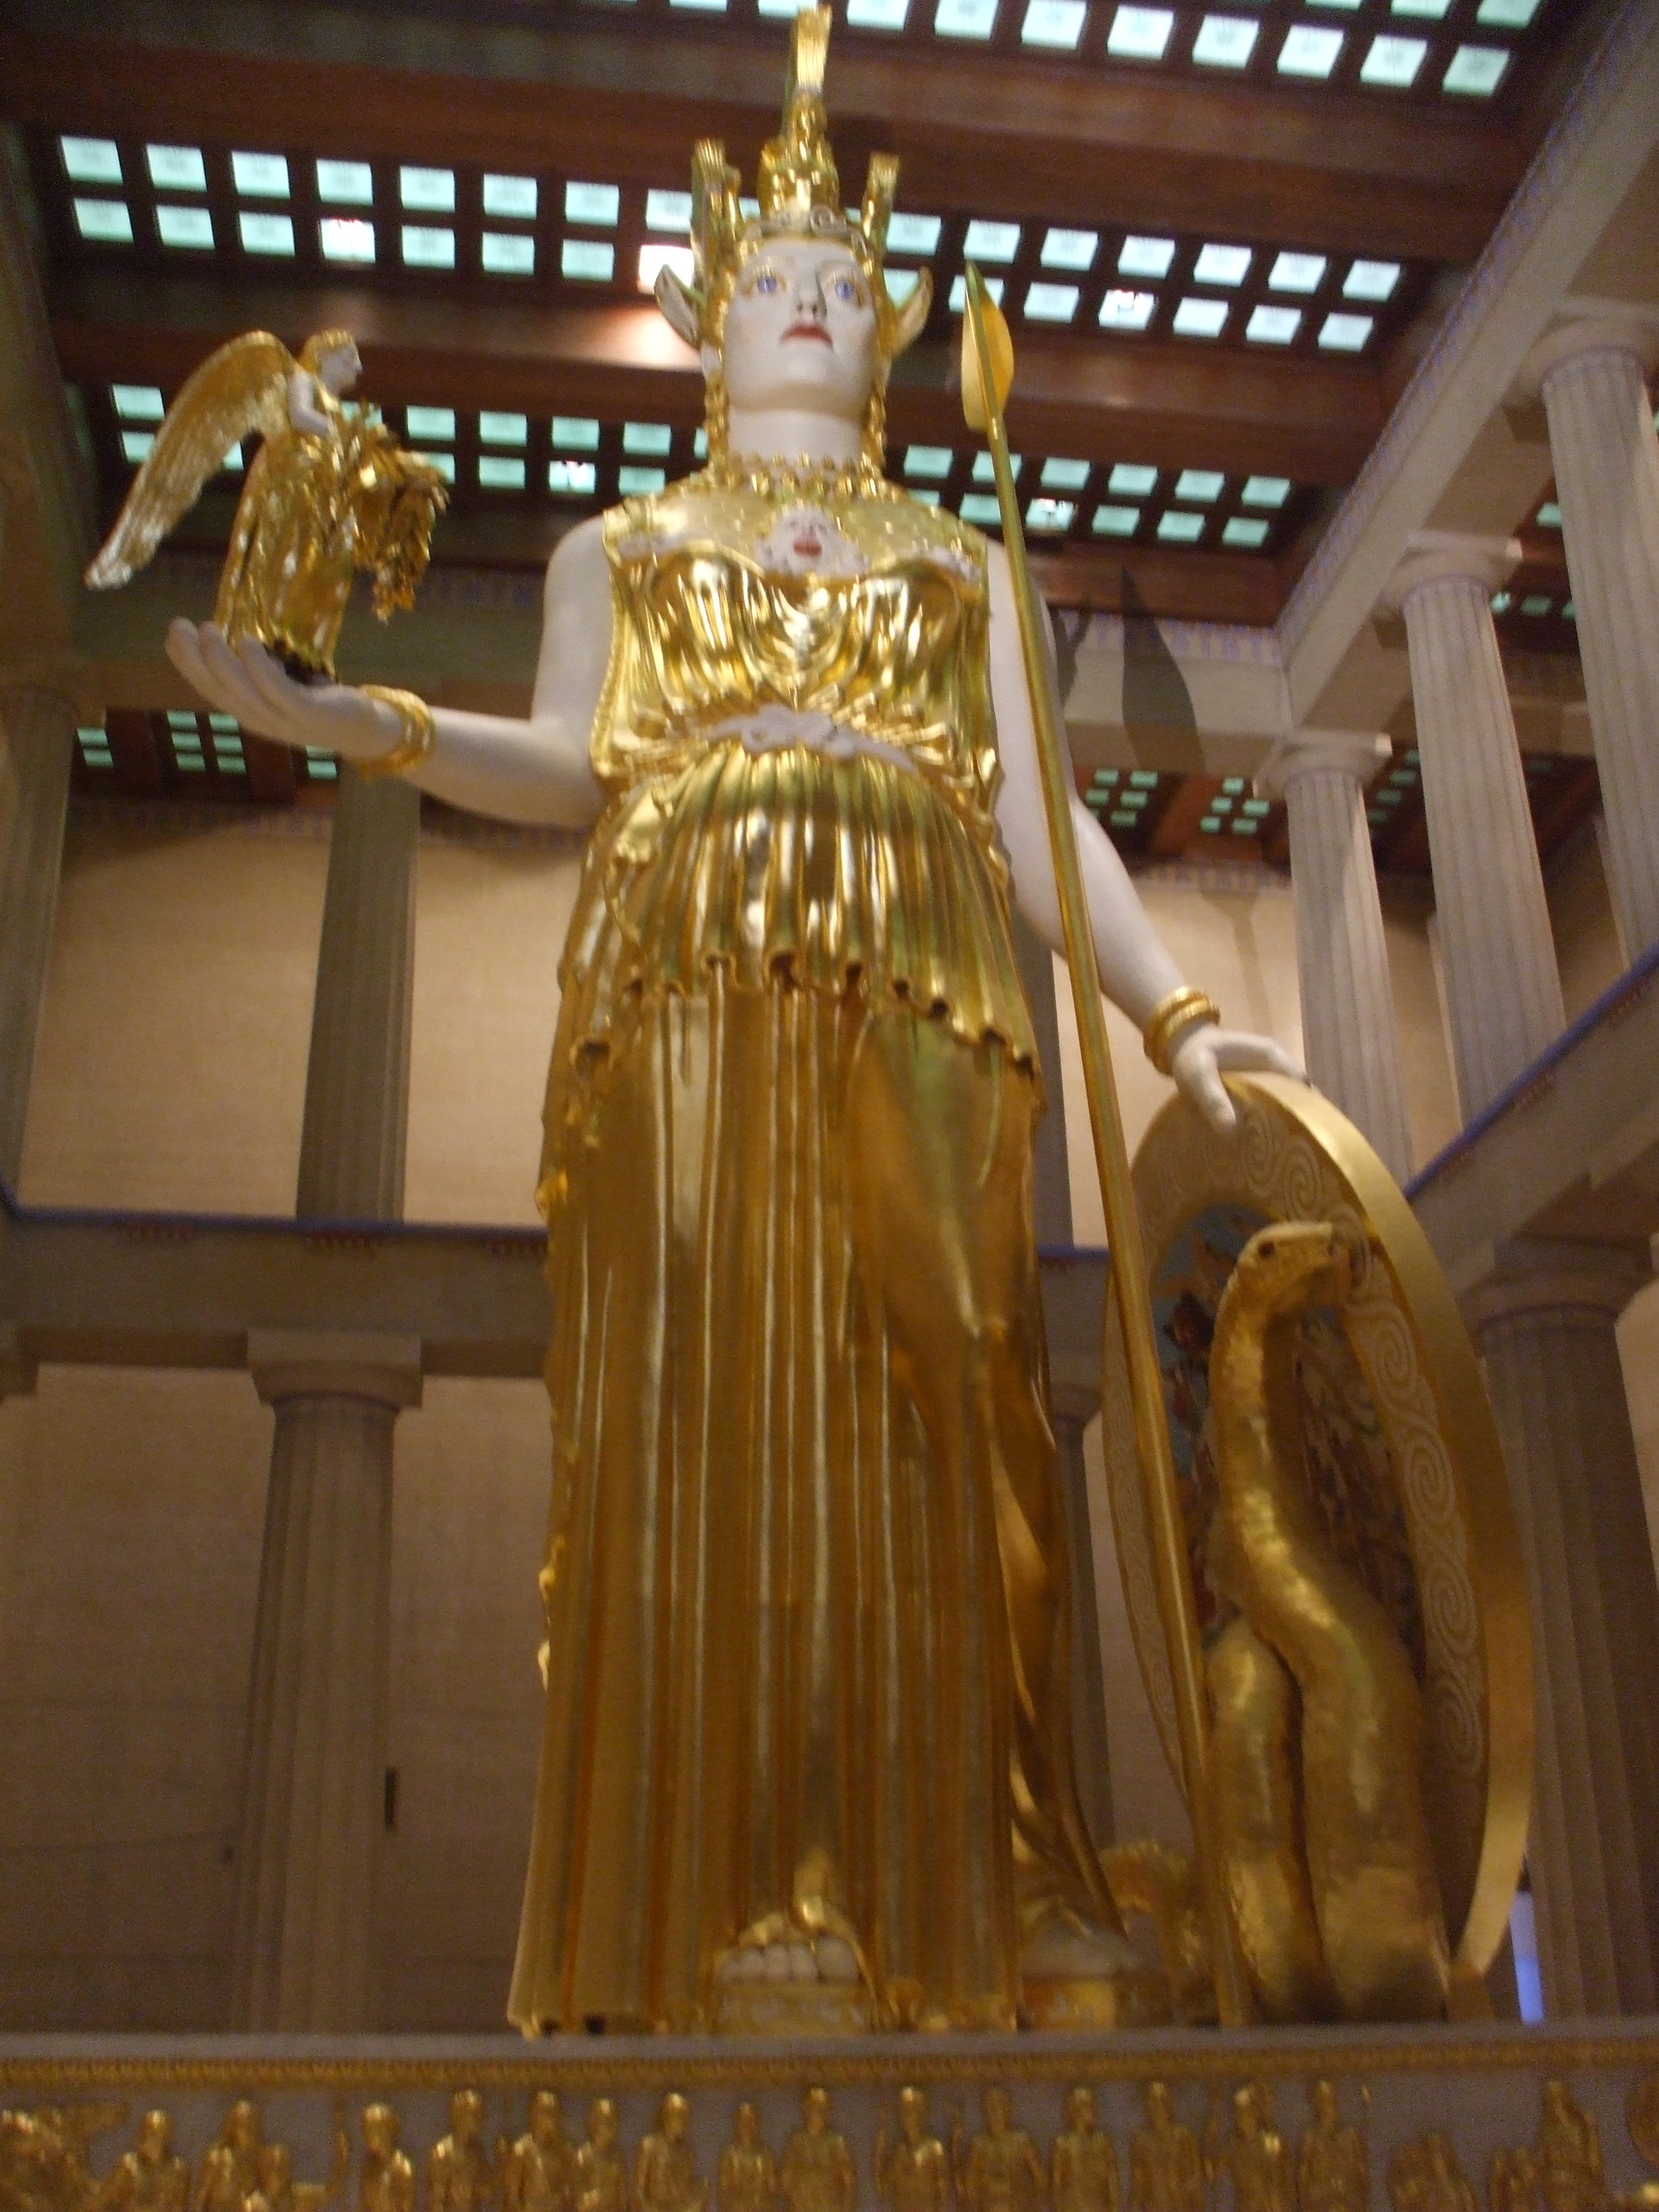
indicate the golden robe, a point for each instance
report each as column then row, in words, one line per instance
column 805, row 1567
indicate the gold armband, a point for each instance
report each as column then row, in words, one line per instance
column 1170, row 1017
column 419, row 729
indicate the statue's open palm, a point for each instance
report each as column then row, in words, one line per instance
column 246, row 681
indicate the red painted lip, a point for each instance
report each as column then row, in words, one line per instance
column 810, row 331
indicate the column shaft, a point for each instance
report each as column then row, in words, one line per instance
column 1605, row 453
column 37, row 728
column 1502, row 989
column 1051, row 1181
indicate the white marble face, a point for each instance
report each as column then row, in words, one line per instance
column 339, row 370
column 800, row 331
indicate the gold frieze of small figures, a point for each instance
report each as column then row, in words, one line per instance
column 278, row 2191
column 1567, row 2154
column 1251, row 2155
column 747, row 2176
column 665, row 2177
column 1424, row 2176
column 913, row 2171
column 385, row 2179
column 1642, row 2118
column 151, row 2177
column 1083, row 2166
column 461, row 2175
column 228, row 2178
column 330, row 492
column 539, row 2172
column 1166, row 2167
column 45, row 2155
column 816, row 2173
column 1332, row 2162
column 601, row 2168
column 1509, row 2179
column 999, row 2169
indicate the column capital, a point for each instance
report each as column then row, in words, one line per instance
column 1557, row 1275
column 1074, row 1388
column 1439, row 557
column 1592, row 327
column 1357, row 754
column 316, row 1363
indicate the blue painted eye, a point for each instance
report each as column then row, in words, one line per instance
column 845, row 289
column 766, row 283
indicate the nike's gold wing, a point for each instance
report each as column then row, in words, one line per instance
column 241, row 388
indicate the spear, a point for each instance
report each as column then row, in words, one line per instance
column 988, row 369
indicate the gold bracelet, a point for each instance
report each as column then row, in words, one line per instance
column 1169, row 1017
column 419, row 727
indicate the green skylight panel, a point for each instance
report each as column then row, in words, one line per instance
column 589, row 260
column 1308, row 51
column 867, row 15
column 672, row 211
column 176, row 168
column 345, row 184
column 506, row 253
column 94, row 748
column 1430, row 11
column 1569, row 611
column 1116, row 521
column 575, row 434
column 1536, row 602
column 1050, row 514
column 1506, row 14
column 1209, row 826
column 979, row 507
column 1371, row 280
column 495, row 428
column 1549, row 515
column 1244, row 530
column 514, row 198
column 91, row 160
column 1106, row 777
column 1053, row 23
column 1070, row 249
column 1225, row 41
column 1297, row 272
column 265, row 233
column 1126, row 311
column 1200, row 486
column 1064, row 475
column 181, row 718
column 346, row 237
column 651, row 438
column 1345, row 333
column 1272, row 325
column 914, row 234
column 502, row 472
column 1222, row 265
column 927, row 461
column 143, row 403
column 1475, row 71
column 1257, row 809
column 1139, row 33
column 959, row 299
column 991, row 241
column 444, row 464
column 1392, row 62
column 1121, row 820
column 1144, row 779
column 984, row 470
column 709, row 6
column 189, row 226
column 1200, row 318
column 1232, row 786
column 1130, row 477
column 429, row 246
column 321, row 766
column 1177, row 529
column 637, row 480
column 430, row 422
column 1145, row 257
column 260, row 176
column 597, row 205
column 107, row 222
column 1266, row 491
column 136, row 445
column 965, row 19
column 224, row 726
column 1500, row 603
column 899, row 283
column 428, row 191
column 1051, row 303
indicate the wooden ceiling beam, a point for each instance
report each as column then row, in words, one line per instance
column 1173, row 406
column 986, row 134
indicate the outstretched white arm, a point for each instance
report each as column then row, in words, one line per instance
column 530, row 771
column 1136, row 971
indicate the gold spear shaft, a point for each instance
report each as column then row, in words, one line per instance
column 1134, row 1306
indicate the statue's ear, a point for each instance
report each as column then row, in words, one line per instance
column 680, row 304
column 912, row 316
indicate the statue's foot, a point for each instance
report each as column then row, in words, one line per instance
column 1078, row 1973
column 780, row 1979
column 787, row 1955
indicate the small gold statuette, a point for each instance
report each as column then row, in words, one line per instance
column 386, row 2180
column 1424, row 2177
column 230, row 2177
column 1166, row 2170
column 330, row 492
column 151, row 2177
column 460, row 2174
column 1567, row 2156
column 818, row 2173
column 998, row 2170
column 1083, row 2166
column 748, row 2176
column 1333, row 2166
column 540, row 2172
column 278, row 2191
column 1509, row 2179
column 665, row 2177
column 601, row 2169
column 44, row 2156
column 912, row 2174
column 1252, row 2157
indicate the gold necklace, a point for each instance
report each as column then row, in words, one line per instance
column 804, row 478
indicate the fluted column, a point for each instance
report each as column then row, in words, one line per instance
column 316, row 1759
column 1348, row 1030
column 1545, row 1325
column 1593, row 376
column 1502, row 989
column 37, row 744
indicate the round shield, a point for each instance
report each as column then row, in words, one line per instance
column 1398, row 1451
